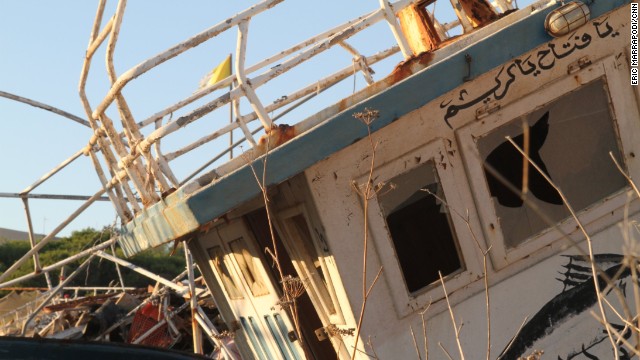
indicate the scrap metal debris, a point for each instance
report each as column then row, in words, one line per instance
column 151, row 317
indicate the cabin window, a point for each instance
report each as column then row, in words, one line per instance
column 248, row 268
column 570, row 139
column 418, row 223
column 217, row 258
column 420, row 227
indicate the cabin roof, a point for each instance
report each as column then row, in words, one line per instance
column 318, row 137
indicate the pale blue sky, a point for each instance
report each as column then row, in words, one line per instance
column 42, row 48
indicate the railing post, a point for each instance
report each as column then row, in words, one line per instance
column 395, row 28
column 193, row 297
column 245, row 85
column 32, row 239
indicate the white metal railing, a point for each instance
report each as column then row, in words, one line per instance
column 137, row 172
column 140, row 172
column 134, row 171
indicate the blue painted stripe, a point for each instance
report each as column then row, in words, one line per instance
column 261, row 337
column 285, row 333
column 252, row 337
column 276, row 335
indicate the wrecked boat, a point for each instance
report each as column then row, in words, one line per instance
column 475, row 201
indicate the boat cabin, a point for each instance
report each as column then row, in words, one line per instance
column 420, row 176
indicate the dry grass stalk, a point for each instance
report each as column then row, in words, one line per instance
column 535, row 355
column 445, row 351
column 453, row 319
column 620, row 338
column 554, row 225
column 625, row 320
column 370, row 343
column 485, row 274
column 551, row 224
column 631, row 259
column 224, row 335
column 636, row 296
column 594, row 271
column 515, row 335
column 415, row 343
column 626, row 176
column 367, row 117
column 293, row 288
column 289, row 298
column 333, row 330
column 424, row 332
column 525, row 163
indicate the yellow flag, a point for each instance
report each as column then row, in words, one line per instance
column 219, row 73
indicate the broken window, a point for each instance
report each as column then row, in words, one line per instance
column 247, row 267
column 217, row 258
column 420, row 226
column 570, row 139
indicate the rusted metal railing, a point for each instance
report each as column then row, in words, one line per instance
column 128, row 156
column 133, row 169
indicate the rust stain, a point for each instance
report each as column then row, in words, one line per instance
column 341, row 37
column 168, row 192
column 278, row 135
column 343, row 104
column 409, row 67
column 179, row 239
column 479, row 12
column 206, row 227
column 418, row 28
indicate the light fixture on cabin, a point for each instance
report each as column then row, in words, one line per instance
column 567, row 18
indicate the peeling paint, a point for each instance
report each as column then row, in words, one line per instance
column 409, row 67
column 278, row 135
column 479, row 12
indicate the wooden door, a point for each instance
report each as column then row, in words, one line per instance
column 250, row 291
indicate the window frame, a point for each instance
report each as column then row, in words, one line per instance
column 296, row 247
column 249, row 266
column 393, row 198
column 453, row 182
column 219, row 272
column 594, row 216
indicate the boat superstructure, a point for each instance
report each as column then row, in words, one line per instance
column 485, row 182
